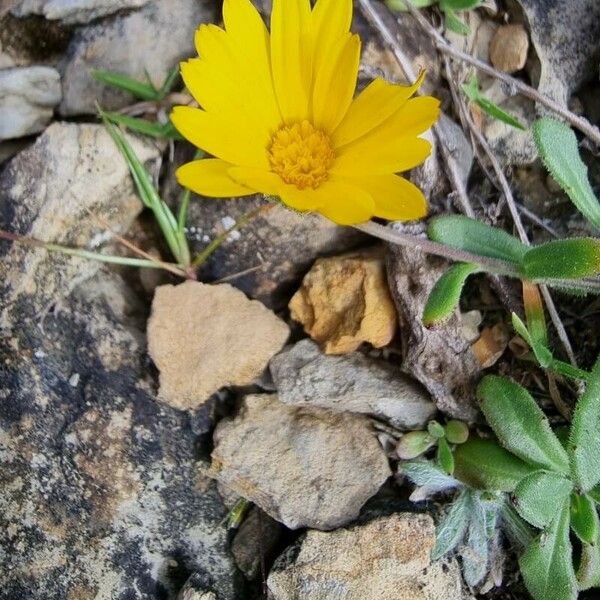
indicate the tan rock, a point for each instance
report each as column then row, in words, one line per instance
column 204, row 337
column 386, row 559
column 509, row 47
column 345, row 301
column 304, row 466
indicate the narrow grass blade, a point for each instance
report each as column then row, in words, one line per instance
column 143, row 91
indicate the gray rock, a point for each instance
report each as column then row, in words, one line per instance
column 566, row 42
column 194, row 590
column 306, row 467
column 304, row 376
column 385, row 559
column 153, row 40
column 439, row 357
column 74, row 11
column 101, row 495
column 28, row 96
column 58, row 190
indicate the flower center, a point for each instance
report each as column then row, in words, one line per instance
column 301, row 155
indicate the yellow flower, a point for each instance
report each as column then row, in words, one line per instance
column 277, row 112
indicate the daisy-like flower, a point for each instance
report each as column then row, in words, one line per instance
column 278, row 113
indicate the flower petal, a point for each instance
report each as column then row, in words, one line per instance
column 374, row 105
column 209, row 177
column 330, row 21
column 345, row 204
column 335, row 83
column 381, row 156
column 236, row 143
column 290, row 58
column 396, row 198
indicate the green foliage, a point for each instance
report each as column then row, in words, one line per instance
column 143, row 90
column 453, row 526
column 483, row 464
column 520, row 424
column 474, row 236
column 445, row 295
column 547, row 564
column 472, row 91
column 563, row 259
column 414, row 443
column 584, row 518
column 584, row 438
column 557, row 146
column 145, row 127
column 532, row 493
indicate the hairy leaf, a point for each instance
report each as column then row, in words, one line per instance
column 557, row 145
column 584, row 440
column 476, row 554
column 547, row 564
column 445, row 295
column 451, row 529
column 584, row 518
column 444, row 456
column 485, row 465
column 476, row 237
column 563, row 259
column 540, row 495
column 472, row 91
column 430, row 478
column 588, row 573
column 520, row 424
column 518, row 531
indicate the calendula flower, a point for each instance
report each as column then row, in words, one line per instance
column 278, row 114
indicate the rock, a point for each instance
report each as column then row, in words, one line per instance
column 74, row 11
column 305, row 467
column 101, row 496
column 345, row 301
column 386, row 559
column 133, row 44
column 58, row 190
column 255, row 542
column 566, row 43
column 204, row 337
column 304, row 376
column 194, row 590
column 439, row 357
column 28, row 96
column 509, row 48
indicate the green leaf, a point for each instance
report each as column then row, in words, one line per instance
column 520, row 424
column 429, row 477
column 584, row 438
column 518, row 531
column 475, row 558
column 451, row 529
column 540, row 495
column 413, row 444
column 476, row 237
column 401, row 6
column 459, row 4
column 445, row 295
column 453, row 23
column 144, row 91
column 557, row 145
column 457, row 432
column 584, row 518
column 444, row 456
column 145, row 127
column 485, row 465
column 594, row 494
column 563, row 259
column 547, row 565
column 542, row 354
column 168, row 224
column 588, row 573
column 472, row 91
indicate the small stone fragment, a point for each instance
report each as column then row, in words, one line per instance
column 304, row 376
column 345, row 301
column 205, row 337
column 28, row 96
column 491, row 345
column 306, row 467
column 385, row 559
column 509, row 48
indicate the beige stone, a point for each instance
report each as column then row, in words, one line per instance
column 386, row 559
column 304, row 466
column 205, row 337
column 345, row 301
column 509, row 47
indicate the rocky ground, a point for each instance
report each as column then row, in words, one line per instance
column 136, row 410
